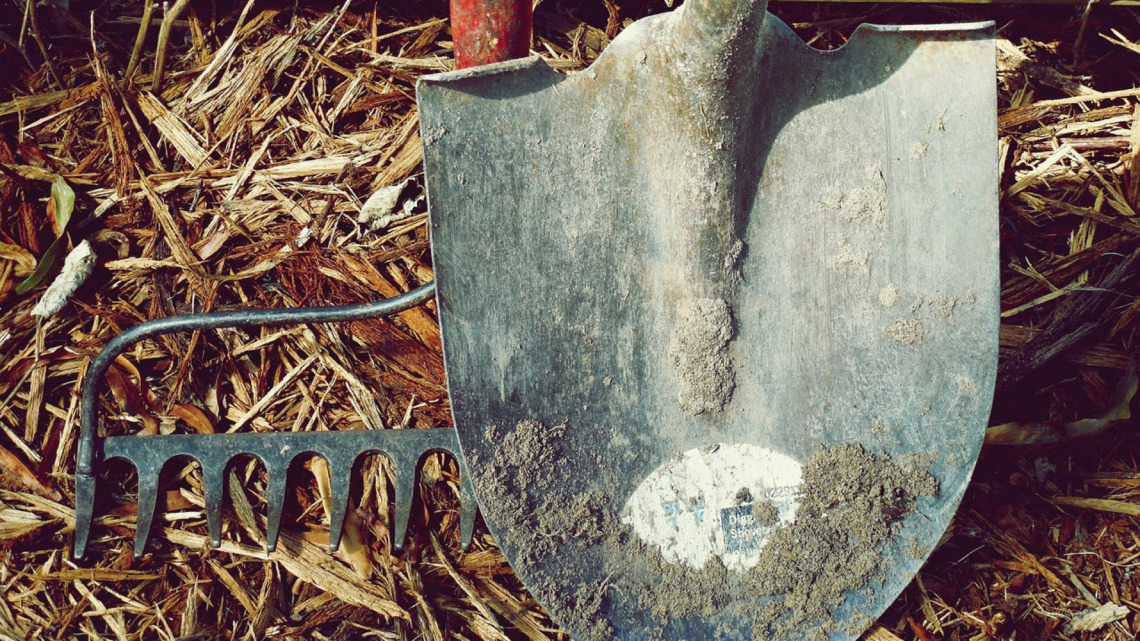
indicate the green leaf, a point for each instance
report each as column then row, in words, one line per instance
column 63, row 201
column 49, row 264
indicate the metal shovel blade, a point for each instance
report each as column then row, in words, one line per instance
column 720, row 316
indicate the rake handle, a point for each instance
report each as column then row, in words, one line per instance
column 486, row 31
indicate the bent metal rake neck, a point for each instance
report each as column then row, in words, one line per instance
column 404, row 449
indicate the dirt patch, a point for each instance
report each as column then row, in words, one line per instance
column 966, row 387
column 889, row 295
column 518, row 489
column 851, row 500
column 765, row 513
column 867, row 202
column 917, row 303
column 699, row 352
column 681, row 591
column 908, row 331
column 850, row 255
column 945, row 305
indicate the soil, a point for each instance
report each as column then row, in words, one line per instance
column 908, row 331
column 681, row 591
column 515, row 483
column 699, row 352
column 765, row 513
column 850, row 503
column 851, row 500
column 850, row 255
column 889, row 295
column 866, row 202
column 518, row 486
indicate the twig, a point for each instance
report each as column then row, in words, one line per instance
column 169, row 16
column 140, row 40
column 31, row 13
column 1079, row 317
column 1079, row 44
column 372, row 40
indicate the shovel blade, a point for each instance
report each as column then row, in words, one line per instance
column 720, row 316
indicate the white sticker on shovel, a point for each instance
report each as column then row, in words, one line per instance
column 723, row 500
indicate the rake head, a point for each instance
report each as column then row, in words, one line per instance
column 403, row 449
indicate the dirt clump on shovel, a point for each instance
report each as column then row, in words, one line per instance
column 765, row 513
column 699, row 352
column 850, row 503
column 523, row 495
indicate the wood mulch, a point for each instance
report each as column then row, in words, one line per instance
column 220, row 159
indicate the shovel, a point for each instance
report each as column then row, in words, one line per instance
column 720, row 315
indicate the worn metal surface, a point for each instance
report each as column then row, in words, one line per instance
column 404, row 449
column 673, row 275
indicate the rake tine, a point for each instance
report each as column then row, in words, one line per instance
column 340, row 472
column 275, row 495
column 214, row 485
column 468, row 504
column 148, row 497
column 404, row 491
column 84, row 506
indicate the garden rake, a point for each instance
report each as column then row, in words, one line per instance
column 404, row 449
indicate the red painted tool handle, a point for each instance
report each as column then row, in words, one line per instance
column 486, row 31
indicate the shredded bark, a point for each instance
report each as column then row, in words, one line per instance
column 226, row 165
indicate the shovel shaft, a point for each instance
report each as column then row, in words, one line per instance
column 486, row 31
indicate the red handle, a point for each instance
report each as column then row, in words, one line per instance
column 486, row 31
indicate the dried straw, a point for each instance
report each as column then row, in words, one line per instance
column 227, row 168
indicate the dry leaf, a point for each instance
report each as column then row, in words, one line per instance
column 1119, row 410
column 13, row 468
column 116, row 239
column 1094, row 619
column 130, row 397
column 32, row 154
column 25, row 261
column 128, row 367
column 194, row 417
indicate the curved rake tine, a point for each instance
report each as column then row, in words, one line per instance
column 214, row 486
column 275, row 495
column 84, row 505
column 340, row 475
column 404, row 490
column 149, row 476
